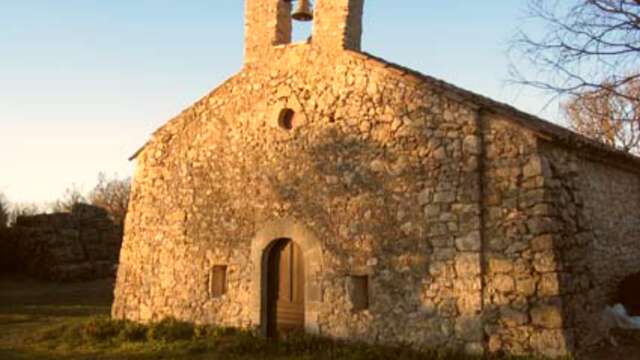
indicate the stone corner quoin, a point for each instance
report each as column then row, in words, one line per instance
column 475, row 227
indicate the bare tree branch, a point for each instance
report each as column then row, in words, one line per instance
column 4, row 212
column 587, row 44
column 72, row 196
column 22, row 209
column 603, row 115
column 112, row 194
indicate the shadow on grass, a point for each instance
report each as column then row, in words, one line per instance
column 45, row 321
column 14, row 319
column 101, row 355
column 23, row 299
column 16, row 355
column 8, row 312
column 32, row 292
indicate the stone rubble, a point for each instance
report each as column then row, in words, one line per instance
column 81, row 245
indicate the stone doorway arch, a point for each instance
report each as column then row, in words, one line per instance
column 268, row 235
column 284, row 288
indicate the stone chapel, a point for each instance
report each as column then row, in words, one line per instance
column 323, row 189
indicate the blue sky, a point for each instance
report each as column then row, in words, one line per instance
column 84, row 82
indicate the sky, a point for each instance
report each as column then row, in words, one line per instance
column 83, row 83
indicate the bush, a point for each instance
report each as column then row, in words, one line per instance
column 171, row 329
column 168, row 330
column 244, row 343
column 213, row 332
column 301, row 343
column 233, row 343
column 102, row 328
column 133, row 332
column 4, row 212
column 112, row 194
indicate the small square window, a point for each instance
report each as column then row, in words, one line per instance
column 358, row 292
column 218, row 281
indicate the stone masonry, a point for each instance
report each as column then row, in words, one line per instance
column 79, row 245
column 478, row 226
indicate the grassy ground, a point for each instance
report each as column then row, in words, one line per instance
column 70, row 321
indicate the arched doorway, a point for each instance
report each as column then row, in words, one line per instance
column 285, row 288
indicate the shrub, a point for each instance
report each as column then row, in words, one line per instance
column 71, row 197
column 235, row 343
column 4, row 212
column 133, row 332
column 302, row 343
column 171, row 329
column 20, row 210
column 212, row 331
column 112, row 194
column 102, row 328
column 202, row 331
column 244, row 343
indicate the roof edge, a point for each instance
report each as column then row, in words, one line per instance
column 158, row 130
column 541, row 127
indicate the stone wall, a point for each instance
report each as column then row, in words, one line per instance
column 338, row 24
column 598, row 242
column 382, row 170
column 7, row 260
column 611, row 199
column 517, row 249
column 560, row 231
column 80, row 245
column 472, row 234
column 261, row 35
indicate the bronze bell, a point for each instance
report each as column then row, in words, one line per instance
column 304, row 11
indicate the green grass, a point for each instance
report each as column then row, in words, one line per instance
column 70, row 321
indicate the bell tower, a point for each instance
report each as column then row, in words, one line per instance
column 267, row 24
column 337, row 25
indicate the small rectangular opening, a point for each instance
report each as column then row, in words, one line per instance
column 359, row 292
column 218, row 281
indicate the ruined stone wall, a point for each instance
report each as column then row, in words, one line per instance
column 381, row 168
column 7, row 259
column 80, row 245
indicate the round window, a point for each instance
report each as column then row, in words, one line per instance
column 286, row 119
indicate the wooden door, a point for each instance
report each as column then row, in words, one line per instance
column 285, row 289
